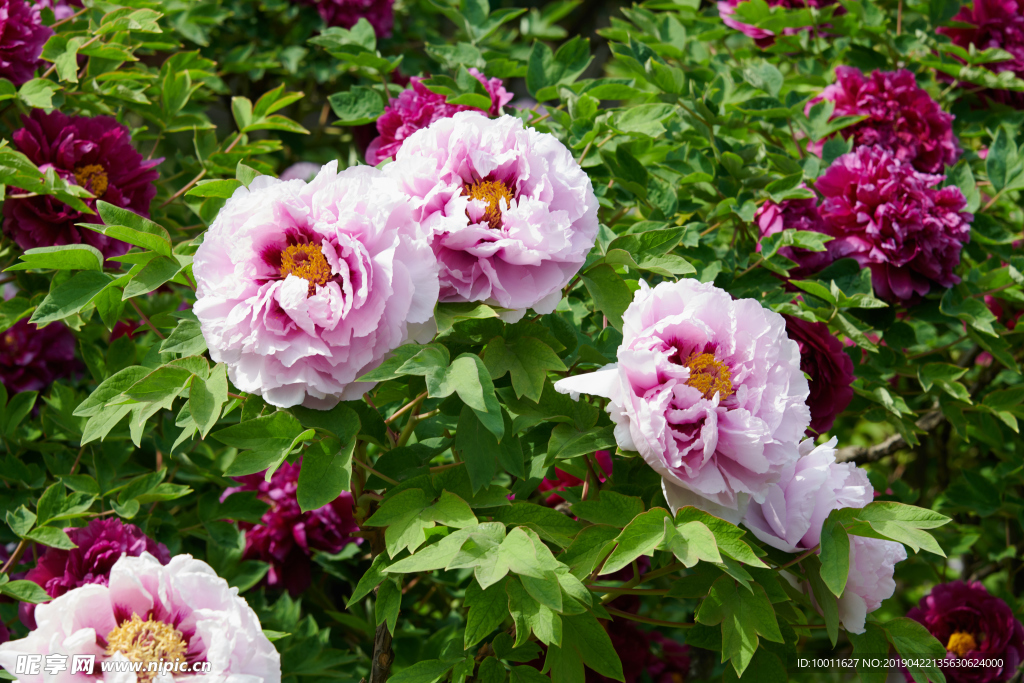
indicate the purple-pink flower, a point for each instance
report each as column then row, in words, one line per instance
column 513, row 216
column 894, row 220
column 794, row 214
column 762, row 36
column 996, row 24
column 830, row 371
column 147, row 611
column 793, row 511
column 100, row 545
column 346, row 13
column 709, row 390
column 22, row 36
column 417, row 107
column 900, row 116
column 302, row 288
column 973, row 625
column 32, row 358
column 303, row 170
column 287, row 536
column 93, row 152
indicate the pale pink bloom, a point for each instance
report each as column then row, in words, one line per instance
column 302, row 170
column 189, row 611
column 795, row 508
column 512, row 214
column 303, row 287
column 709, row 390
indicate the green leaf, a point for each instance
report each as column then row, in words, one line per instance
column 186, row 339
column 529, row 615
column 868, row 646
column 764, row 76
column 327, row 466
column 358, row 106
column 584, row 641
column 691, row 542
column 641, row 537
column 919, row 647
column 728, row 536
column 25, row 591
column 63, row 257
column 610, row 293
column 38, row 93
column 488, row 609
column 52, row 537
column 69, row 297
column 132, row 228
column 545, row 70
column 268, row 439
column 835, row 556
column 427, row 671
column 527, row 358
column 611, row 508
column 153, row 275
column 744, row 616
column 207, row 397
column 389, row 600
column 223, row 188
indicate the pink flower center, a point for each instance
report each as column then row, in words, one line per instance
column 147, row 641
column 92, row 177
column 306, row 261
column 709, row 375
column 961, row 643
column 491, row 192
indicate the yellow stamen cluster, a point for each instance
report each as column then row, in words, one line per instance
column 92, row 177
column 147, row 641
column 308, row 262
column 961, row 643
column 709, row 376
column 491, row 192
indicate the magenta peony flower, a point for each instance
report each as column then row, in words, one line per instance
column 417, row 107
column 100, row 544
column 22, row 36
column 565, row 480
column 94, row 152
column 512, row 213
column 974, row 625
column 829, row 368
column 179, row 612
column 794, row 509
column 901, row 117
column 794, row 214
column 708, row 390
column 303, row 287
column 303, row 170
column 32, row 358
column 287, row 535
column 997, row 24
column 346, row 13
column 762, row 36
column 894, row 220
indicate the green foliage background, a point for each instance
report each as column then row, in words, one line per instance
column 685, row 127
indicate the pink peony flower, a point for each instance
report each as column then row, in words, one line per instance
column 708, row 390
column 565, row 480
column 872, row 563
column 303, row 170
column 417, row 107
column 22, row 36
column 973, row 625
column 762, row 36
column 100, row 545
column 893, row 219
column 512, row 213
column 830, row 371
column 32, row 358
column 346, row 13
column 94, row 152
column 996, row 24
column 794, row 214
column 901, row 117
column 287, row 536
column 303, row 287
column 182, row 611
column 794, row 509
